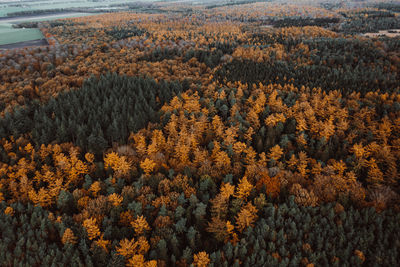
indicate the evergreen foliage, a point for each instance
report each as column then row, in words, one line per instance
column 336, row 64
column 103, row 111
column 122, row 33
column 300, row 22
column 286, row 234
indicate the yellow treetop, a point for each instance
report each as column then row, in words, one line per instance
column 239, row 147
column 303, row 163
column 246, row 217
column 360, row 151
column 126, row 248
column 140, row 144
column 41, row 198
column 68, row 237
column 231, row 233
column 147, row 165
column 231, row 135
column 119, row 165
column 316, row 168
column 9, row 211
column 139, row 261
column 375, row 175
column 218, row 126
column 301, row 124
column 89, row 157
column 140, row 225
column 28, row 148
column 103, row 243
column 339, row 167
column 129, row 248
column 95, row 188
column 244, row 188
column 201, row 259
column 222, row 160
column 91, row 228
column 227, row 190
column 275, row 153
column 115, row 199
column 71, row 166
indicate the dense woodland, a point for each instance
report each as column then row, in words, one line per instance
column 245, row 134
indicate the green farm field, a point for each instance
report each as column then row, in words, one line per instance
column 10, row 35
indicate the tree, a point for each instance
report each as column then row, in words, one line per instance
column 115, row 199
column 140, row 225
column 119, row 164
column 272, row 184
column 201, row 259
column 91, row 228
column 138, row 260
column 95, row 188
column 243, row 189
column 68, row 237
column 9, row 211
column 246, row 217
column 227, row 190
column 148, row 166
column 275, row 153
column 127, row 248
column 103, row 243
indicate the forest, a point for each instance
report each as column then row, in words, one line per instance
column 240, row 133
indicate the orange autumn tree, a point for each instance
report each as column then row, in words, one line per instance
column 148, row 166
column 222, row 228
column 246, row 217
column 201, row 259
column 140, row 225
column 243, row 189
column 115, row 199
column 119, row 164
column 134, row 251
column 272, row 184
column 68, row 237
column 91, row 228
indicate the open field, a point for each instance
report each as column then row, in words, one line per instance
column 9, row 35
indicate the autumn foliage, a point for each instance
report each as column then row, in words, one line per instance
column 197, row 135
